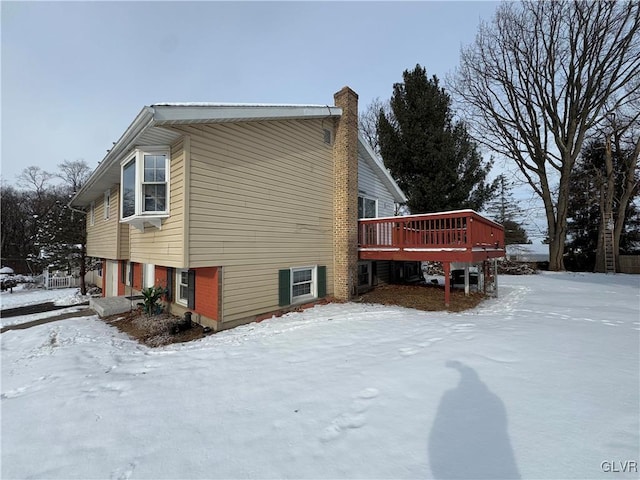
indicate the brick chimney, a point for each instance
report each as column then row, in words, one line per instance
column 345, row 196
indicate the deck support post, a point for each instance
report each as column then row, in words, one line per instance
column 447, row 282
column 466, row 280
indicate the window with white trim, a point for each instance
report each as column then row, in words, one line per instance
column 92, row 213
column 303, row 284
column 107, row 204
column 145, row 185
column 367, row 207
column 182, row 284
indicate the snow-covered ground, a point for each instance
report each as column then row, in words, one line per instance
column 540, row 383
column 22, row 296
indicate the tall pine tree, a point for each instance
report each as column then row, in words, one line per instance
column 433, row 158
column 503, row 208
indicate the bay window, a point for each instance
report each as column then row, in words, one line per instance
column 145, row 186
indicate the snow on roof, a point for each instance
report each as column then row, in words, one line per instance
column 234, row 104
column 434, row 214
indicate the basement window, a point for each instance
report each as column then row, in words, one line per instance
column 145, row 187
column 303, row 284
column 186, row 287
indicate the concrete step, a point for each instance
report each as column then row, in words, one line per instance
column 107, row 306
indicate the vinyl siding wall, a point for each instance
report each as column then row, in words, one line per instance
column 164, row 246
column 260, row 200
column 369, row 185
column 102, row 236
column 124, row 240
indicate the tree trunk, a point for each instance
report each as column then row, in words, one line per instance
column 556, row 260
column 630, row 189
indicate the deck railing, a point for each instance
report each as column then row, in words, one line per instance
column 457, row 230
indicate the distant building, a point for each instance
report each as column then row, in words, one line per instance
column 528, row 253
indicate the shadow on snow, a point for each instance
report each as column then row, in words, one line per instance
column 469, row 437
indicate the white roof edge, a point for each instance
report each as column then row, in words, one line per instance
column 167, row 113
column 399, row 195
column 238, row 104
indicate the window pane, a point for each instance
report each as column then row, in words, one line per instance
column 366, row 208
column 184, row 278
column 154, row 198
column 369, row 208
column 301, row 276
column 154, row 168
column 301, row 289
column 183, row 292
column 129, row 189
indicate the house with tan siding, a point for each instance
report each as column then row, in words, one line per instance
column 238, row 210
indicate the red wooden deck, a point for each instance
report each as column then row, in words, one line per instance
column 458, row 236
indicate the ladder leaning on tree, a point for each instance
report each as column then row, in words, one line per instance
column 609, row 257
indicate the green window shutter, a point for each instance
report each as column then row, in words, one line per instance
column 322, row 282
column 171, row 275
column 284, row 287
column 191, row 289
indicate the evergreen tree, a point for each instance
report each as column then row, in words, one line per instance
column 504, row 209
column 431, row 156
column 61, row 234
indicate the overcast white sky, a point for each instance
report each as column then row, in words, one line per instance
column 74, row 75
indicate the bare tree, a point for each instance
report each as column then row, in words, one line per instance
column 35, row 179
column 74, row 173
column 618, row 180
column 368, row 121
column 538, row 79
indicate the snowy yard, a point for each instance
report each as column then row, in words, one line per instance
column 540, row 383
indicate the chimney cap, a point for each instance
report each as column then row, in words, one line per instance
column 346, row 90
